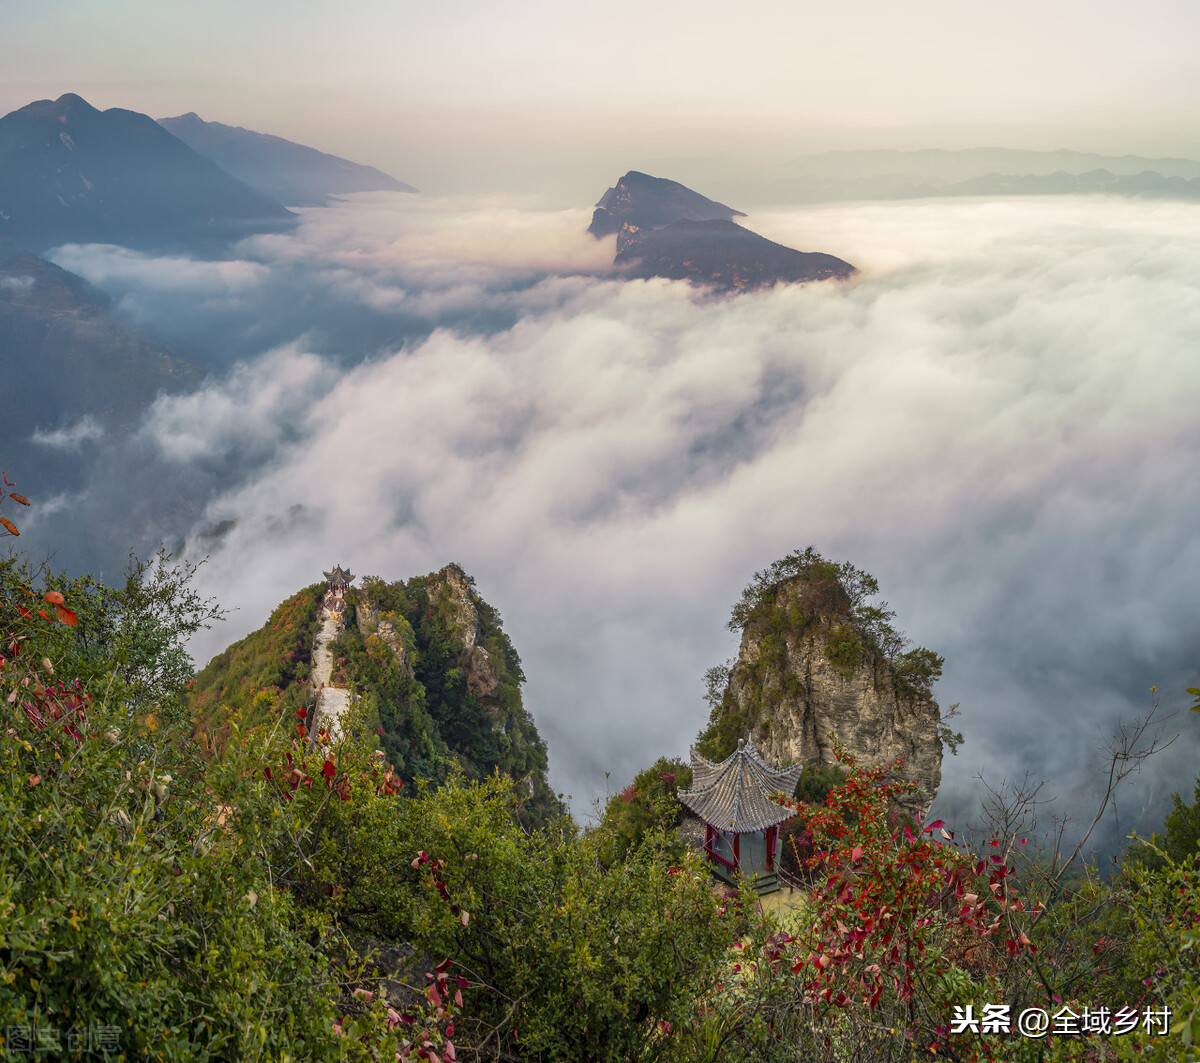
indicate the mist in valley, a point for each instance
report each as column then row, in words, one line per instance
column 995, row 417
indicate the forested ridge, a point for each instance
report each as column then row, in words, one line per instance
column 184, row 875
column 436, row 679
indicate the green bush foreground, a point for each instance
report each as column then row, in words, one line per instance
column 165, row 896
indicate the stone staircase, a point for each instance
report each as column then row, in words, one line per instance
column 763, row 883
column 330, row 703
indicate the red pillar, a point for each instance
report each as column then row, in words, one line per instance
column 737, row 852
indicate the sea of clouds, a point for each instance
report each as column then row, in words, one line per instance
column 996, row 417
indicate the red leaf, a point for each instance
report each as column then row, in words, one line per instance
column 66, row 616
column 18, row 498
column 12, row 528
column 328, row 770
column 54, row 598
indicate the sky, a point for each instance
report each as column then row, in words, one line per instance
column 996, row 417
column 551, row 99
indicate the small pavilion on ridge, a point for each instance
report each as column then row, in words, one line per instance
column 734, row 799
column 339, row 578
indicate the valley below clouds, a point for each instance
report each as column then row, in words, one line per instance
column 997, row 417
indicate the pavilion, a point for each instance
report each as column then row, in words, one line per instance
column 339, row 579
column 740, row 819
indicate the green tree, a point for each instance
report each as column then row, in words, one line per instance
column 136, row 888
column 570, row 957
column 647, row 805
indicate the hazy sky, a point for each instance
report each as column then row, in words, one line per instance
column 467, row 95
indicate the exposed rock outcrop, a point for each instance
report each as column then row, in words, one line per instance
column 812, row 668
column 373, row 622
column 451, row 590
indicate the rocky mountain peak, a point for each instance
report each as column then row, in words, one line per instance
column 664, row 229
column 451, row 588
column 649, row 202
column 817, row 663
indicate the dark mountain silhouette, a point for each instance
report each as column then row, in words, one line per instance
column 649, row 202
column 288, row 172
column 722, row 253
column 71, row 173
column 664, row 229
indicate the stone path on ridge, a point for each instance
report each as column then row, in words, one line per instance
column 332, row 702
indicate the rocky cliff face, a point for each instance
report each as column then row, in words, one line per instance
column 394, row 632
column 452, row 591
column 809, row 670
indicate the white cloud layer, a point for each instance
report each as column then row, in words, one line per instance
column 997, row 418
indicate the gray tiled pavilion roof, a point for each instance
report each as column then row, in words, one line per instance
column 339, row 575
column 735, row 794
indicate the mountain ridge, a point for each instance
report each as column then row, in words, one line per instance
column 427, row 660
column 70, row 173
column 292, row 173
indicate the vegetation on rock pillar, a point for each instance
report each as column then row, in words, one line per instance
column 804, row 597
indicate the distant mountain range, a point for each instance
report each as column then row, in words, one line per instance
column 869, row 175
column 71, row 173
column 664, row 229
column 290, row 173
